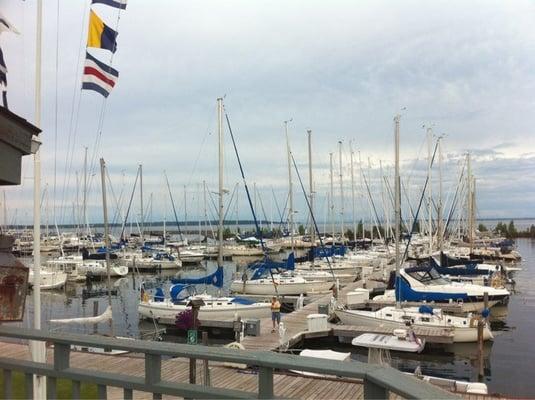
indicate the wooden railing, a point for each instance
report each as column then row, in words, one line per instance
column 378, row 381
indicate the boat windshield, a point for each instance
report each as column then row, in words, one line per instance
column 429, row 277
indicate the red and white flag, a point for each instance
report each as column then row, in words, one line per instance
column 98, row 76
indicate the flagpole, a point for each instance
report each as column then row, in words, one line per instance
column 37, row 348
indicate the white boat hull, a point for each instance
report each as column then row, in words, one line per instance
column 266, row 287
column 165, row 312
column 461, row 335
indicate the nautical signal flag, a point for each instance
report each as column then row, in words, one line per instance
column 98, row 76
column 112, row 3
column 100, row 35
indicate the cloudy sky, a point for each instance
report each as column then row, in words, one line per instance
column 340, row 68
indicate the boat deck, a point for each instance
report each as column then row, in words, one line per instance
column 286, row 384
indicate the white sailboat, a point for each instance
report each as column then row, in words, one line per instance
column 49, row 279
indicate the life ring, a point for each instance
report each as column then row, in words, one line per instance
column 235, row 345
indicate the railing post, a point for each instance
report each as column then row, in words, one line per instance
column 62, row 354
column 374, row 391
column 28, row 383
column 8, row 393
column 102, row 392
column 206, row 367
column 51, row 388
column 153, row 371
column 265, row 383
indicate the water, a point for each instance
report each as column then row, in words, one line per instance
column 508, row 359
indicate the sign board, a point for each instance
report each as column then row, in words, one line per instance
column 192, row 336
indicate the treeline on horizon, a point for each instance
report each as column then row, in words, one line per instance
column 509, row 230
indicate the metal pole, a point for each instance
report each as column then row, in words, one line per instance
column 397, row 204
column 470, row 203
column 221, row 206
column 331, row 206
column 106, row 232
column 429, row 189
column 439, row 211
column 353, row 198
column 37, row 348
column 291, row 200
column 84, row 211
column 311, row 191
column 141, row 201
column 341, row 190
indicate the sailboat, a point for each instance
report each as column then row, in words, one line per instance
column 165, row 309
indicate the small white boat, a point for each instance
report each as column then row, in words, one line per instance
column 49, row 280
column 136, row 260
column 323, row 355
column 69, row 265
column 396, row 342
column 464, row 328
column 190, row 256
column 286, row 286
column 95, row 268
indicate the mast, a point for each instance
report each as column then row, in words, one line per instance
column 5, row 210
column 385, row 205
column 362, row 191
column 291, row 201
column 141, row 202
column 353, row 196
column 185, row 209
column 37, row 349
column 331, row 206
column 440, row 221
column 106, row 233
column 429, row 189
column 470, row 203
column 370, row 202
column 84, row 206
column 341, row 190
column 397, row 203
column 221, row 206
column 311, row 191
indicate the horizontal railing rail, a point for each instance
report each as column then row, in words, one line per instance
column 377, row 380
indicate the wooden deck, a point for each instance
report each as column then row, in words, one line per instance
column 286, row 384
column 297, row 327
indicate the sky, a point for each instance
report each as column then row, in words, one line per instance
column 342, row 69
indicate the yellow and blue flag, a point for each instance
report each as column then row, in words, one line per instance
column 112, row 3
column 100, row 35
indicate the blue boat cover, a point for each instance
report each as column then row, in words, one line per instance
column 321, row 252
column 425, row 309
column 262, row 268
column 215, row 279
column 176, row 290
column 242, row 300
column 159, row 296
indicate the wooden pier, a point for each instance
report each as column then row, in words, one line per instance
column 297, row 326
column 286, row 384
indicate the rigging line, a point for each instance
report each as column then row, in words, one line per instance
column 419, row 207
column 230, row 202
column 374, row 211
column 118, row 211
column 258, row 231
column 174, row 208
column 123, row 227
column 312, row 215
column 77, row 89
column 262, row 205
column 56, row 116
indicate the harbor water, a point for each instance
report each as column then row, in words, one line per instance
column 507, row 360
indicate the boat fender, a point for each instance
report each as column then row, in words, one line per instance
column 473, row 322
column 235, row 345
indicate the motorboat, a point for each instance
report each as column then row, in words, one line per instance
column 96, row 268
column 49, row 279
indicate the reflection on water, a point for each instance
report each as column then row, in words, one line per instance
column 507, row 361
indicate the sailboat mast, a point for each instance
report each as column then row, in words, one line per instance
column 291, row 200
column 311, row 191
column 341, row 190
column 84, row 206
column 440, row 228
column 142, row 217
column 470, row 203
column 221, row 206
column 397, row 203
column 331, row 205
column 106, row 232
column 353, row 197
column 429, row 190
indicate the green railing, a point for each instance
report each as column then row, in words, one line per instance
column 378, row 381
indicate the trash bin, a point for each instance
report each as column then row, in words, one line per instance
column 317, row 322
column 251, row 327
column 323, row 309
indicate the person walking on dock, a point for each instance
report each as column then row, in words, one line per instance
column 275, row 312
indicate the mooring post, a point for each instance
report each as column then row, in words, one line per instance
column 206, row 368
column 95, row 313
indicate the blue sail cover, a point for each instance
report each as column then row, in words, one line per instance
column 468, row 269
column 404, row 292
column 322, row 252
column 175, row 291
column 215, row 279
column 263, row 267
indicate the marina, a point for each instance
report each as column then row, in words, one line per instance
column 264, row 200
